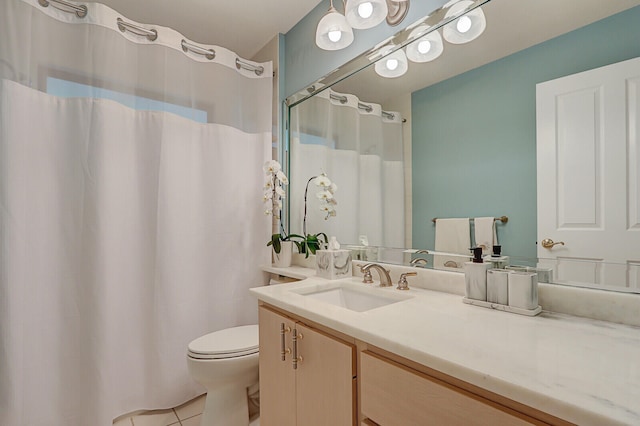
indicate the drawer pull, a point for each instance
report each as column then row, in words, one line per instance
column 284, row 351
column 296, row 358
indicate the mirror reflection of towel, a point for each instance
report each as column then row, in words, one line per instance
column 452, row 236
column 485, row 233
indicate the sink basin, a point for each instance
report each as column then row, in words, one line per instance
column 354, row 297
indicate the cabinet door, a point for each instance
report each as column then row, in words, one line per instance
column 325, row 380
column 277, row 377
column 396, row 395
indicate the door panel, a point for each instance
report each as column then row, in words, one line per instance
column 277, row 377
column 324, row 380
column 588, row 174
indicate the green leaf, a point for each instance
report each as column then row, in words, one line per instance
column 275, row 242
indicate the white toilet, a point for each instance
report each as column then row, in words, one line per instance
column 226, row 364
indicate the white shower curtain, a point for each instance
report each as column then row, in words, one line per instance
column 130, row 211
column 360, row 148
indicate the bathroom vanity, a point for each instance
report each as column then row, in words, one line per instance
column 423, row 356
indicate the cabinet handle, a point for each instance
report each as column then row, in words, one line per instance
column 284, row 351
column 296, row 358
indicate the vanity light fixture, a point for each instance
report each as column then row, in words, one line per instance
column 364, row 14
column 394, row 65
column 333, row 31
column 424, row 48
column 467, row 27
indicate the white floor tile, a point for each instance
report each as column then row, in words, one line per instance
column 191, row 408
column 192, row 421
column 156, row 418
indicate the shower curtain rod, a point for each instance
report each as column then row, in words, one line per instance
column 152, row 35
column 343, row 100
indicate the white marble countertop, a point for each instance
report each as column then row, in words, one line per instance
column 584, row 371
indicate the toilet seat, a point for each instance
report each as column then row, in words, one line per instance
column 228, row 343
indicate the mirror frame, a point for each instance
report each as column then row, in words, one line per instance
column 435, row 21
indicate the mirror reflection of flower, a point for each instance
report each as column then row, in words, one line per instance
column 328, row 203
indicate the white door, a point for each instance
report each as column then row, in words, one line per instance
column 588, row 168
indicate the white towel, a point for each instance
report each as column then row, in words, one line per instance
column 452, row 236
column 485, row 233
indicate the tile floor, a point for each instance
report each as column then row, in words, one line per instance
column 188, row 414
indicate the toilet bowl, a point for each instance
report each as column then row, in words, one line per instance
column 226, row 364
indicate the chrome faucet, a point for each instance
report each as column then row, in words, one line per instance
column 403, row 284
column 385, row 279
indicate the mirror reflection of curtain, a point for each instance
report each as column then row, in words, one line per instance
column 130, row 207
column 360, row 148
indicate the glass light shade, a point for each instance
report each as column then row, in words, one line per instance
column 426, row 48
column 333, row 31
column 354, row 7
column 467, row 27
column 393, row 65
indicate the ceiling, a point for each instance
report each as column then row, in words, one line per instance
column 243, row 26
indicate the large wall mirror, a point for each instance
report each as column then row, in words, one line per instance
column 456, row 136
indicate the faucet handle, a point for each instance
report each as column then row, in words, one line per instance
column 403, row 284
column 366, row 277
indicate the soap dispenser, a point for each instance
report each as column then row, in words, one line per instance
column 475, row 276
column 497, row 260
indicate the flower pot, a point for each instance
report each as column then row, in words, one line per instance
column 283, row 259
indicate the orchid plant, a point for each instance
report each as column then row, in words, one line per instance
column 326, row 190
column 274, row 193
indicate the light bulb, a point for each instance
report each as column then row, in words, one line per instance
column 365, row 10
column 464, row 24
column 392, row 64
column 424, row 46
column 335, row 35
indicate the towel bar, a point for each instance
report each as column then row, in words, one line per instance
column 503, row 219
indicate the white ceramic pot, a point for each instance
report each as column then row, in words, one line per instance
column 283, row 259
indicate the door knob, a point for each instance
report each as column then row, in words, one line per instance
column 548, row 243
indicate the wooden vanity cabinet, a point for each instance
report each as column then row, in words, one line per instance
column 320, row 390
column 391, row 390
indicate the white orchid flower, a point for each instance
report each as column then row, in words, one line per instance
column 333, row 188
column 274, row 191
column 323, row 181
column 271, row 167
column 282, row 177
column 324, row 195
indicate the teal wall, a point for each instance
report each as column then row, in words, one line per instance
column 474, row 135
column 305, row 62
